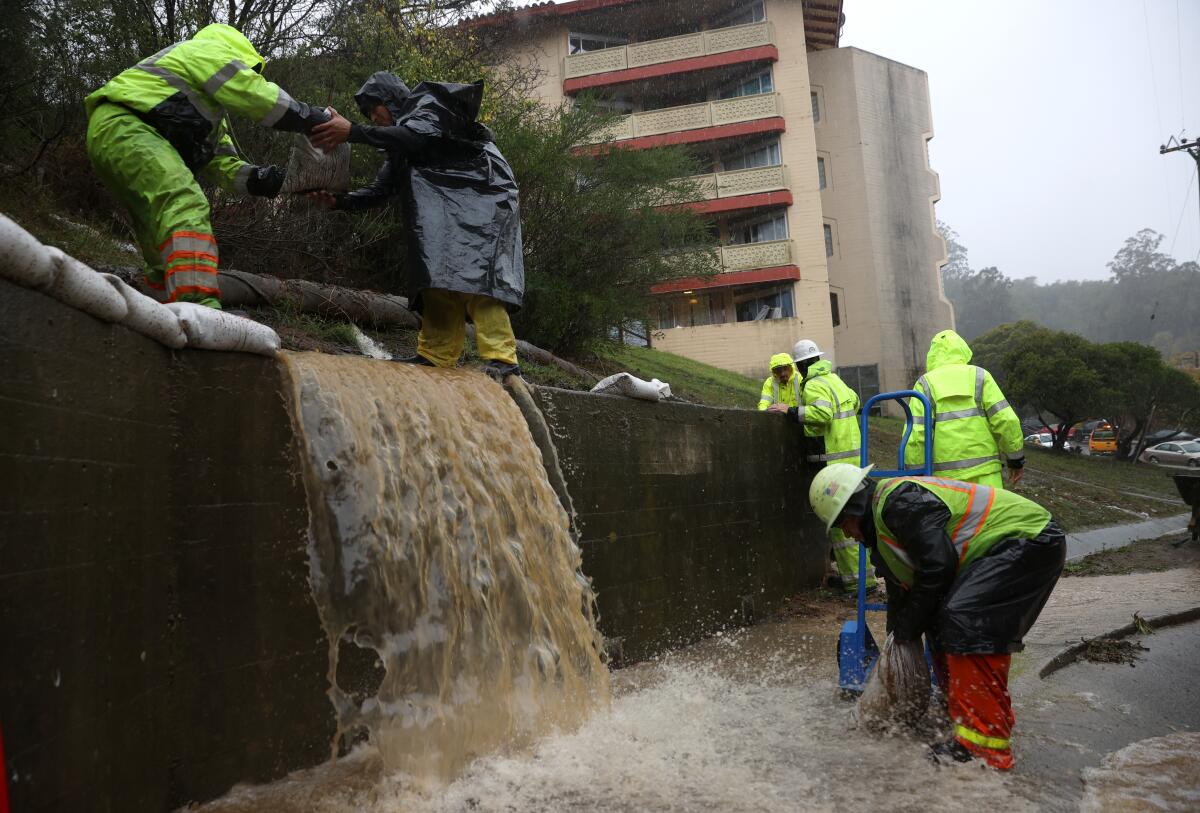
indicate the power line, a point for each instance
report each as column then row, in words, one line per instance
column 1183, row 211
column 1157, row 104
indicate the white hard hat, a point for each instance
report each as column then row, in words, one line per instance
column 832, row 488
column 804, row 350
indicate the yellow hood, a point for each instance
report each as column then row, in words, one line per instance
column 235, row 41
column 947, row 348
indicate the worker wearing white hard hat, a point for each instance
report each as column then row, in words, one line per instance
column 829, row 412
column 968, row 566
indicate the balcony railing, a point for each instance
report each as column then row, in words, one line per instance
column 694, row 117
column 745, row 256
column 653, row 52
column 740, row 182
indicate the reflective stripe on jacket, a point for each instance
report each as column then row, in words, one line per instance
column 772, row 393
column 831, row 412
column 186, row 91
column 980, row 516
column 973, row 422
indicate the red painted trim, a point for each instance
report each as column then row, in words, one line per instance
column 708, row 207
column 779, row 272
column 696, row 63
column 775, row 124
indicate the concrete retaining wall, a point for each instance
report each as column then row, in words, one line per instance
column 158, row 639
column 692, row 518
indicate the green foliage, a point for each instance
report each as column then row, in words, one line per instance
column 1149, row 298
column 596, row 232
column 1065, row 375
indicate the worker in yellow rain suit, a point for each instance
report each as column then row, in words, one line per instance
column 829, row 412
column 782, row 385
column 973, row 422
column 156, row 126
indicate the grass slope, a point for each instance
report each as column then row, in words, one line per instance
column 689, row 380
column 1082, row 492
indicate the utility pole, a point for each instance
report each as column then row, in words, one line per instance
column 1177, row 145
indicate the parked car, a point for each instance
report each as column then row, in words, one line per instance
column 1174, row 453
column 1046, row 441
column 1102, row 440
column 1164, row 435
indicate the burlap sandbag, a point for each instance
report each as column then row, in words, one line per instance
column 309, row 169
column 897, row 692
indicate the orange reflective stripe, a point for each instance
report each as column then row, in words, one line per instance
column 194, row 289
column 982, row 518
column 958, row 527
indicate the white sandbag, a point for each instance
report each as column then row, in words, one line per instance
column 148, row 317
column 631, row 387
column 23, row 259
column 211, row 329
column 85, row 289
column 310, row 169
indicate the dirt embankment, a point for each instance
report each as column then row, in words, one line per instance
column 1145, row 556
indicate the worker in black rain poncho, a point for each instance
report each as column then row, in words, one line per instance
column 460, row 209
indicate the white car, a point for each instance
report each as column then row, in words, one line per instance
column 1046, row 441
column 1174, row 453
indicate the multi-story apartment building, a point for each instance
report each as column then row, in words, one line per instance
column 820, row 187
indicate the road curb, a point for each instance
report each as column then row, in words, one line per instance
column 1071, row 654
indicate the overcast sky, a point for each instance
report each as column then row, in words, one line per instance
column 1047, row 122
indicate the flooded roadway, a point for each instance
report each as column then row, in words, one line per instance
column 750, row 721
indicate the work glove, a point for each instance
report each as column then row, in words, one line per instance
column 265, row 182
column 796, row 413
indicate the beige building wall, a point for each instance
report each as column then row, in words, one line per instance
column 798, row 150
column 543, row 48
column 740, row 347
column 875, row 125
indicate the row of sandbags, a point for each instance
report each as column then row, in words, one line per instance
column 25, row 261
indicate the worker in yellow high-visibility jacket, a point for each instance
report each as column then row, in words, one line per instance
column 829, row 413
column 152, row 129
column 782, row 385
column 973, row 423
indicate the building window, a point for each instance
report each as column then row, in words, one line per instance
column 834, row 309
column 828, row 240
column 816, row 108
column 696, row 309
column 759, row 230
column 821, row 171
column 583, row 43
column 750, row 13
column 764, row 155
column 760, row 83
column 775, row 304
column 864, row 380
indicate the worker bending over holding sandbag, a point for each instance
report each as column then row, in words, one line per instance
column 461, row 213
column 156, row 126
column 970, row 567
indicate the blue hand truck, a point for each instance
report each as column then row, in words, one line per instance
column 857, row 650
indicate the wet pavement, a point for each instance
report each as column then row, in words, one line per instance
column 751, row 721
column 1085, row 542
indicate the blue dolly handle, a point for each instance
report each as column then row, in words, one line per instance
column 856, row 647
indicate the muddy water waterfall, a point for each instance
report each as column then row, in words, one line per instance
column 438, row 544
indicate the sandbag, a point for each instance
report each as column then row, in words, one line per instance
column 23, row 259
column 631, row 387
column 311, row 169
column 211, row 329
column 897, row 692
column 148, row 317
column 84, row 289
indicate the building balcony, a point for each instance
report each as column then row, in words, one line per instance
column 690, row 52
column 706, row 121
column 739, row 189
column 742, row 264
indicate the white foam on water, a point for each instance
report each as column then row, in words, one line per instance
column 1159, row 774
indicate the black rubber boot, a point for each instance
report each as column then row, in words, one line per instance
column 414, row 359
column 501, row 370
column 947, row 751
